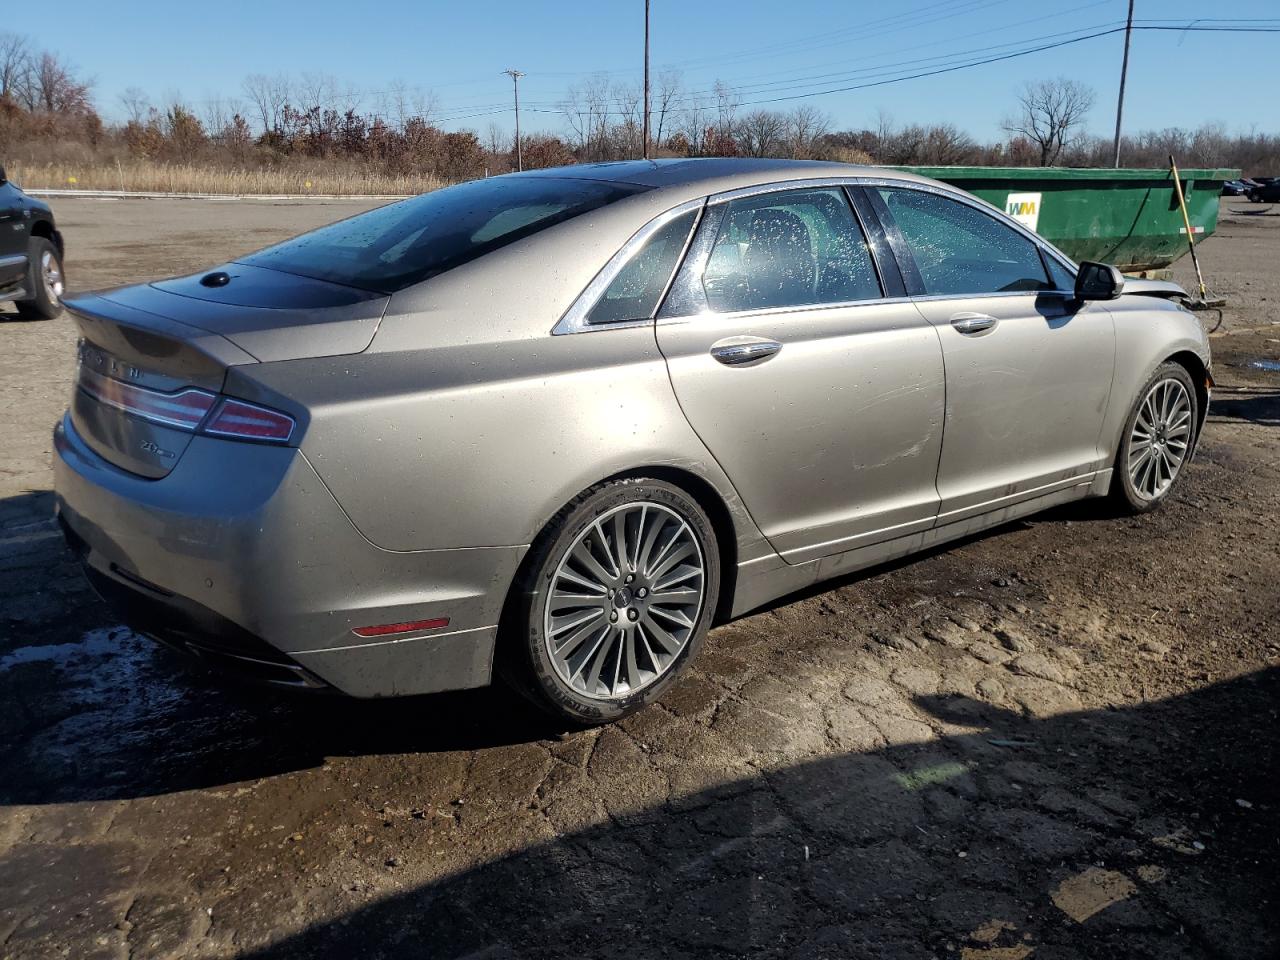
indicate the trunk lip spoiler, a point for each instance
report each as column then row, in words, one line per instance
column 99, row 307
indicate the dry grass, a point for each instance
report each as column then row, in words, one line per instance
column 146, row 176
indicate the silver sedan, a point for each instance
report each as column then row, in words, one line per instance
column 552, row 426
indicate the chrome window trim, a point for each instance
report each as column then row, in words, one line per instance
column 846, row 304
column 575, row 318
column 782, row 312
column 778, row 186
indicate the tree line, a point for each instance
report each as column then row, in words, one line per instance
column 46, row 107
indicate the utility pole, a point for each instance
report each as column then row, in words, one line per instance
column 515, row 76
column 1124, row 70
column 646, row 79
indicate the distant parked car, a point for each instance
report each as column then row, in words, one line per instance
column 1234, row 188
column 1266, row 191
column 30, row 254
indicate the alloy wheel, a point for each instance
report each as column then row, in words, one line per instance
column 624, row 600
column 1160, row 438
column 51, row 276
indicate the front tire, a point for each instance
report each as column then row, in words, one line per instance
column 44, row 281
column 615, row 600
column 1159, row 435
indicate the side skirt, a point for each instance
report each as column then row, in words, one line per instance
column 768, row 578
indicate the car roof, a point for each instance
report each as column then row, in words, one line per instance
column 706, row 175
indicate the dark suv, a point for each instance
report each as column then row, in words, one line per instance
column 1266, row 190
column 30, row 254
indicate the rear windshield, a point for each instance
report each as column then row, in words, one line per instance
column 397, row 245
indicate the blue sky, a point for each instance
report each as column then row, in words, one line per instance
column 457, row 51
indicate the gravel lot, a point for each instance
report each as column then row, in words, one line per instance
column 1054, row 741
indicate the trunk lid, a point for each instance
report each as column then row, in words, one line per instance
column 269, row 314
column 151, row 357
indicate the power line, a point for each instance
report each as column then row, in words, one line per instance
column 1039, row 48
column 1007, row 56
column 791, row 83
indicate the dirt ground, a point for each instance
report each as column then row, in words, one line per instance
column 1054, row 741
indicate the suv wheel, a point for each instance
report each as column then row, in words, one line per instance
column 45, row 282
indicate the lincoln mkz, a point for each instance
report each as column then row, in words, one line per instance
column 552, row 426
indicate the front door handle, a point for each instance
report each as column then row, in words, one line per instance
column 972, row 322
column 740, row 351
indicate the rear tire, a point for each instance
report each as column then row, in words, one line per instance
column 1159, row 436
column 613, row 602
column 44, row 281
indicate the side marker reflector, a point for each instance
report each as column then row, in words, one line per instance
column 412, row 626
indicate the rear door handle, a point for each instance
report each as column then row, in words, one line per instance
column 740, row 351
column 972, row 322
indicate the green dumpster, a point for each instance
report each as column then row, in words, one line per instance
column 1127, row 217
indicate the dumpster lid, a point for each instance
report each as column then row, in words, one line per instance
column 1067, row 173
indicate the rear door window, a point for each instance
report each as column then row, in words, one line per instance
column 403, row 243
column 960, row 250
column 788, row 249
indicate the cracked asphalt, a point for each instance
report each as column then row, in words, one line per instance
column 1054, row 741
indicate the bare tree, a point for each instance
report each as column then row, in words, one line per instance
column 497, row 141
column 884, row 132
column 402, row 103
column 53, row 88
column 136, row 103
column 692, row 124
column 627, row 134
column 760, row 133
column 803, row 127
column 665, row 101
column 219, row 115
column 15, row 66
column 727, row 103
column 586, row 108
column 316, row 91
column 1051, row 114
column 946, row 144
column 269, row 96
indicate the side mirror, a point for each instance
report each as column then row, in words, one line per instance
column 1098, row 281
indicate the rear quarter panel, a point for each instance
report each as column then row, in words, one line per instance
column 480, row 444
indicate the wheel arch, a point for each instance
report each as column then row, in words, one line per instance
column 703, row 493
column 45, row 229
column 1201, row 379
column 709, row 499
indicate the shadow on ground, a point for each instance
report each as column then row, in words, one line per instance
column 90, row 710
column 1019, row 838
column 1258, row 405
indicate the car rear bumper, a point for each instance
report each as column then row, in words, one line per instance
column 242, row 556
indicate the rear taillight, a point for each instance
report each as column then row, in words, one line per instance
column 184, row 409
column 248, row 421
column 189, row 409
